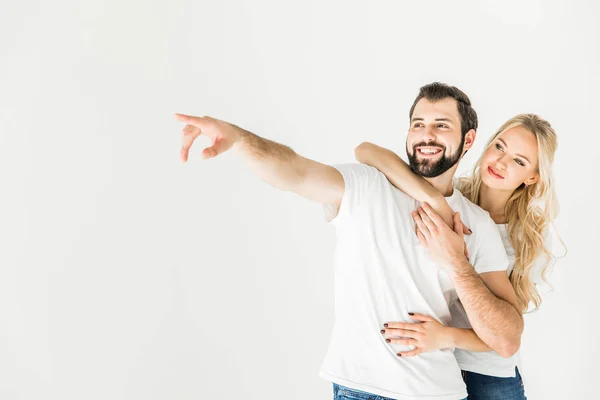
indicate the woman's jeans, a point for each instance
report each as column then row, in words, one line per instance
column 485, row 387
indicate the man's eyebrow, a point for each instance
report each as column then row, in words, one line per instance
column 437, row 119
column 518, row 155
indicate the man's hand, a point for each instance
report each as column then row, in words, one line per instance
column 222, row 135
column 446, row 245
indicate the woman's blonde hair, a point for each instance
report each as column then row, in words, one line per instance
column 529, row 211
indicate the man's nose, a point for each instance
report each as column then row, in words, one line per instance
column 428, row 135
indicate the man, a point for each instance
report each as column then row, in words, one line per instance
column 382, row 273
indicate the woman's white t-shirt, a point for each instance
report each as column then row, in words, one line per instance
column 490, row 362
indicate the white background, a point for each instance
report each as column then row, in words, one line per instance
column 128, row 275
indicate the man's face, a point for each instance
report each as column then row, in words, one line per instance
column 434, row 143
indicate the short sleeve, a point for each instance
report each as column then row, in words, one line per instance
column 359, row 181
column 491, row 254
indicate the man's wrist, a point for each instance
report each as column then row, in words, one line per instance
column 242, row 137
column 461, row 268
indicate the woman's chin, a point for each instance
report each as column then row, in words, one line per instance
column 490, row 182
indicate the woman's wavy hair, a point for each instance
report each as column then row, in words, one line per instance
column 529, row 211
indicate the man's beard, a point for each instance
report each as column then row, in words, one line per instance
column 428, row 168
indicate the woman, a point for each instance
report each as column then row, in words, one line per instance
column 513, row 182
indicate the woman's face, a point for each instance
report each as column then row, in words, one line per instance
column 511, row 159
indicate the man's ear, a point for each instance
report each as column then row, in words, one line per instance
column 533, row 179
column 469, row 139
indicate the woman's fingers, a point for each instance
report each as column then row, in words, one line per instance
column 458, row 225
column 404, row 333
column 405, row 342
column 410, row 353
column 410, row 326
column 421, row 317
column 466, row 230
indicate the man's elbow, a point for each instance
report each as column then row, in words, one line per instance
column 509, row 348
column 511, row 342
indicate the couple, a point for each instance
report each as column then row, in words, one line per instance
column 430, row 282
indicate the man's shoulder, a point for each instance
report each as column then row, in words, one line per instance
column 374, row 182
column 360, row 173
column 471, row 213
column 357, row 168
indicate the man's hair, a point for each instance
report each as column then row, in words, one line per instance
column 437, row 91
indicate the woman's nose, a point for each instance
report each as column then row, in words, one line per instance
column 501, row 163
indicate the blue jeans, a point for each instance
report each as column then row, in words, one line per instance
column 343, row 393
column 485, row 387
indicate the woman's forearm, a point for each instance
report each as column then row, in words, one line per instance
column 402, row 177
column 396, row 170
column 467, row 339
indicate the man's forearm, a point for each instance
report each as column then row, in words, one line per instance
column 273, row 162
column 283, row 168
column 496, row 322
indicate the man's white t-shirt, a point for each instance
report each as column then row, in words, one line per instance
column 382, row 273
column 490, row 362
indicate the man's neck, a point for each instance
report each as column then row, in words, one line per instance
column 442, row 183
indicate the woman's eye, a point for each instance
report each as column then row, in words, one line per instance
column 498, row 146
column 442, row 126
column 521, row 163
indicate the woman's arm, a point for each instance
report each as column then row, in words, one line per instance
column 401, row 176
column 466, row 339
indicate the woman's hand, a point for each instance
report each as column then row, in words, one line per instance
column 426, row 335
column 446, row 245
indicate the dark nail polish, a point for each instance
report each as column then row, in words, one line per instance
column 387, row 340
column 385, row 325
column 470, row 231
column 399, row 355
column 411, row 313
column 383, row 331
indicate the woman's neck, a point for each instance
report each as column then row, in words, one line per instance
column 494, row 201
